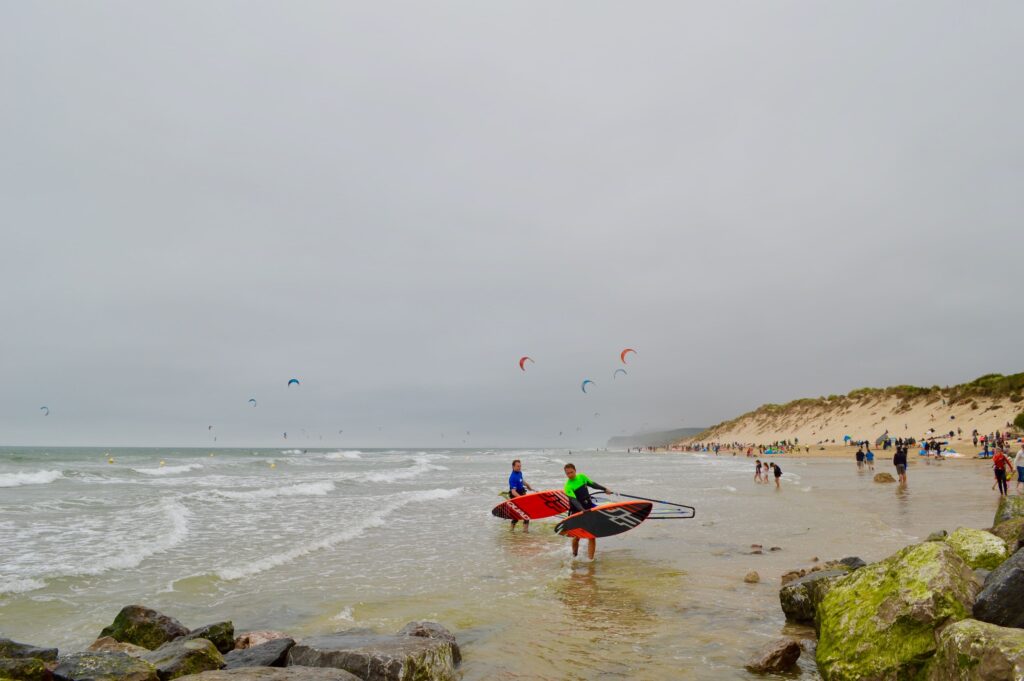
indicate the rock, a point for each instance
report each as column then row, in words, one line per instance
column 971, row 650
column 978, row 548
column 1001, row 601
column 1011, row 532
column 182, row 657
column 847, row 564
column 800, row 598
column 274, row 674
column 24, row 669
column 9, row 648
column 852, row 562
column 938, row 535
column 220, row 634
column 1010, row 507
column 752, row 577
column 430, row 629
column 980, row 575
column 144, row 627
column 879, row 621
column 884, row 477
column 255, row 638
column 270, row 654
column 108, row 644
column 778, row 656
column 104, row 667
column 378, row 657
column 775, row 548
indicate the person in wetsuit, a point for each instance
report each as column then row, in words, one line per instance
column 517, row 487
column 576, row 485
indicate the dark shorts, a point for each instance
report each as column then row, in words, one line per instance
column 1020, row 473
column 519, row 490
column 901, row 469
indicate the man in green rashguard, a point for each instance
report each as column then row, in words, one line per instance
column 579, row 500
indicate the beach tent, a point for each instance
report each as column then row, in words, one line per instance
column 846, row 438
column 881, row 438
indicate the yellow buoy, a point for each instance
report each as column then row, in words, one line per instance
column 273, row 465
column 110, row 460
column 162, row 462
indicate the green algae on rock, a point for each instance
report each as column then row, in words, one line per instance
column 978, row 548
column 1010, row 531
column 970, row 650
column 183, row 657
column 1010, row 507
column 879, row 622
column 144, row 627
column 24, row 669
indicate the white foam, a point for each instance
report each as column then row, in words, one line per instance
column 345, row 615
column 169, row 470
column 353, row 531
column 289, row 451
column 19, row 585
column 34, row 478
column 316, row 489
column 422, row 465
column 351, row 454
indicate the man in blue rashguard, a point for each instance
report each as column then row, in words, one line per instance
column 517, row 487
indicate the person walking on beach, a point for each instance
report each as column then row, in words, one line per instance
column 860, row 458
column 778, row 473
column 517, row 487
column 1000, row 464
column 869, row 458
column 757, row 471
column 899, row 460
column 1018, row 461
column 579, row 500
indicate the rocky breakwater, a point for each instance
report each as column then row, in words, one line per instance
column 145, row 645
column 947, row 608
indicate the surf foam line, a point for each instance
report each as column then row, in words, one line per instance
column 316, row 489
column 174, row 512
column 349, row 454
column 34, row 478
column 420, row 466
column 354, row 530
column 169, row 470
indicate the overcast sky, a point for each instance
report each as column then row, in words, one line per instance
column 393, row 202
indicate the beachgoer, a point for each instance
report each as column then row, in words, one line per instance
column 517, row 487
column 778, row 473
column 869, row 457
column 860, row 458
column 900, row 461
column 999, row 464
column 579, row 500
column 757, row 471
column 1018, row 461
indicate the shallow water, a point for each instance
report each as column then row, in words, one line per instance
column 323, row 540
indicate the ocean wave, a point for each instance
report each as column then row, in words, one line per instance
column 349, row 454
column 169, row 470
column 317, row 489
column 289, row 451
column 421, row 465
column 353, row 531
column 19, row 585
column 34, row 478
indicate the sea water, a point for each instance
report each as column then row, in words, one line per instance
column 314, row 541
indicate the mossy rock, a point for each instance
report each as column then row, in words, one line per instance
column 24, row 669
column 183, row 657
column 221, row 634
column 9, row 648
column 978, row 548
column 879, row 622
column 144, row 627
column 104, row 667
column 970, row 650
column 1010, row 507
column 1010, row 531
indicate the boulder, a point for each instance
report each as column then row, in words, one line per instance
column 852, row 562
column 879, row 621
column 800, row 598
column 978, row 548
column 144, row 627
column 9, row 648
column 378, row 657
column 777, row 656
column 104, row 667
column 975, row 651
column 1010, row 507
column 1001, row 601
column 1011, row 532
column 220, row 634
column 938, row 535
column 752, row 577
column 847, row 564
column 884, row 477
column 274, row 674
column 107, row 644
column 255, row 638
column 430, row 629
column 182, row 657
column 270, row 654
column 24, row 669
